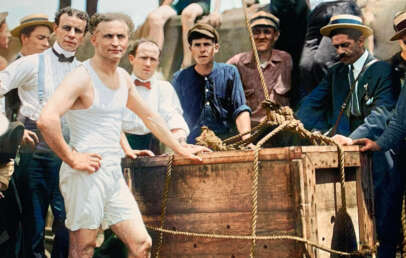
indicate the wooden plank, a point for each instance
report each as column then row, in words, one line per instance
column 365, row 202
column 226, row 157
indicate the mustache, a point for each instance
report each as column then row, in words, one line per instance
column 339, row 56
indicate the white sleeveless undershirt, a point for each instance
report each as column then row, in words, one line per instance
column 97, row 129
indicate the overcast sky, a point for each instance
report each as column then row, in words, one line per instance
column 137, row 9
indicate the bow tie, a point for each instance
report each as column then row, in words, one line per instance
column 62, row 58
column 143, row 84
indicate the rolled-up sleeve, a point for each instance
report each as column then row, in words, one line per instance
column 170, row 108
column 238, row 97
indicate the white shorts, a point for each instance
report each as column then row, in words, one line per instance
column 101, row 198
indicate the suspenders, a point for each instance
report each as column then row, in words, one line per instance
column 41, row 79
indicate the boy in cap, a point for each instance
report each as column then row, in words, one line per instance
column 347, row 102
column 276, row 66
column 211, row 93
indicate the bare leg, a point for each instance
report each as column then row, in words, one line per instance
column 188, row 17
column 82, row 243
column 135, row 237
column 156, row 21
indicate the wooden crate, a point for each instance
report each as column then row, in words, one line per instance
column 298, row 194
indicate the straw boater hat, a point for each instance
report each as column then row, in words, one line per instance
column 345, row 21
column 31, row 20
column 265, row 19
column 3, row 16
column 399, row 24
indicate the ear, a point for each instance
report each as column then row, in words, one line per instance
column 361, row 40
column 54, row 27
column 131, row 59
column 23, row 38
column 216, row 48
column 93, row 38
column 277, row 33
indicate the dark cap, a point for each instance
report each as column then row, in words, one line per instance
column 204, row 29
column 264, row 19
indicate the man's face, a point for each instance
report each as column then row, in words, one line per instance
column 403, row 42
column 70, row 32
column 4, row 36
column 347, row 49
column 145, row 61
column 110, row 39
column 264, row 37
column 203, row 50
column 38, row 41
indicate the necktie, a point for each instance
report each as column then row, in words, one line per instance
column 62, row 58
column 143, row 84
column 354, row 107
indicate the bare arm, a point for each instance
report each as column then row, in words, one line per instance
column 215, row 17
column 157, row 125
column 129, row 152
column 243, row 124
column 65, row 97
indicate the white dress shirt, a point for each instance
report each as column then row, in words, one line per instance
column 23, row 75
column 162, row 99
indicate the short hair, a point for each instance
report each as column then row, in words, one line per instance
column 97, row 18
column 353, row 34
column 134, row 47
column 28, row 30
column 72, row 12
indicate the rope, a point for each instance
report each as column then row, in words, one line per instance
column 261, row 75
column 164, row 202
column 362, row 252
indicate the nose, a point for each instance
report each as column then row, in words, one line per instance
column 71, row 33
column 115, row 41
column 46, row 43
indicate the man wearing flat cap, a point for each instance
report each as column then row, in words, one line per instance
column 349, row 102
column 210, row 93
column 276, row 66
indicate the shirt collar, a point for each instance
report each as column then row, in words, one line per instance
column 60, row 50
column 275, row 58
column 361, row 61
column 152, row 79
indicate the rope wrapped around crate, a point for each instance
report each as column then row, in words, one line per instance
column 283, row 118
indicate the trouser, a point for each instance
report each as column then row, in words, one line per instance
column 388, row 178
column 39, row 187
column 11, row 233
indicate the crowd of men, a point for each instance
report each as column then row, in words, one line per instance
column 71, row 122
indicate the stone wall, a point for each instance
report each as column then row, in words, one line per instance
column 234, row 36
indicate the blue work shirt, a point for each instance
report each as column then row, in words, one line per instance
column 214, row 100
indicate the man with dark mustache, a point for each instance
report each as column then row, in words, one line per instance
column 354, row 94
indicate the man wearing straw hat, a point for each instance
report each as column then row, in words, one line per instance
column 353, row 95
column 394, row 134
column 33, row 32
column 276, row 66
column 36, row 77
